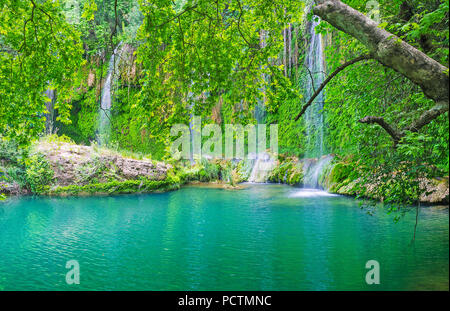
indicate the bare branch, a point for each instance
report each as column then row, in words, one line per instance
column 311, row 77
column 176, row 16
column 328, row 79
column 423, row 120
column 392, row 131
column 428, row 116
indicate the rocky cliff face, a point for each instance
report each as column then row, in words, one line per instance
column 437, row 191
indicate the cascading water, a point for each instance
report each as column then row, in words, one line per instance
column 314, row 161
column 313, row 116
column 264, row 162
column 191, row 130
column 50, row 93
column 105, row 105
column 312, row 170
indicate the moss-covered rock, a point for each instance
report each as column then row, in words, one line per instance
column 288, row 170
column 116, row 187
column 347, row 178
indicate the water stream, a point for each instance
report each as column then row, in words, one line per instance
column 315, row 160
column 263, row 165
column 312, row 170
column 313, row 116
column 49, row 116
column 105, row 104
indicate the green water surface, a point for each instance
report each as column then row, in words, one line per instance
column 264, row 237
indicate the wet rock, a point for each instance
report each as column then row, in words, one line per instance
column 437, row 191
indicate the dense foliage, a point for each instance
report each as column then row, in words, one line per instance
column 39, row 50
column 235, row 61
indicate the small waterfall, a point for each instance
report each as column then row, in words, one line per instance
column 313, row 117
column 50, row 93
column 264, row 164
column 260, row 108
column 191, row 131
column 312, row 169
column 105, row 105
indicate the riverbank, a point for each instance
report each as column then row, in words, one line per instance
column 57, row 167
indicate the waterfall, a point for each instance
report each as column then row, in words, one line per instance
column 314, row 161
column 105, row 105
column 312, row 169
column 191, row 129
column 314, row 117
column 50, row 93
column 263, row 162
column 263, row 165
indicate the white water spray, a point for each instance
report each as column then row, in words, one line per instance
column 262, row 167
column 312, row 170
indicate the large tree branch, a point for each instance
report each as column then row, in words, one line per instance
column 394, row 53
column 388, row 49
column 328, row 79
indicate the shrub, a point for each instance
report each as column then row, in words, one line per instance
column 58, row 139
column 38, row 174
column 290, row 172
column 340, row 172
column 10, row 152
column 17, row 174
column 244, row 169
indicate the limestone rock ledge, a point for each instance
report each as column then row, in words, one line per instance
column 81, row 165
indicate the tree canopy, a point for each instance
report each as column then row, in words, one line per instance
column 223, row 60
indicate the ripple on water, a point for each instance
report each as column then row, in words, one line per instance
column 264, row 237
